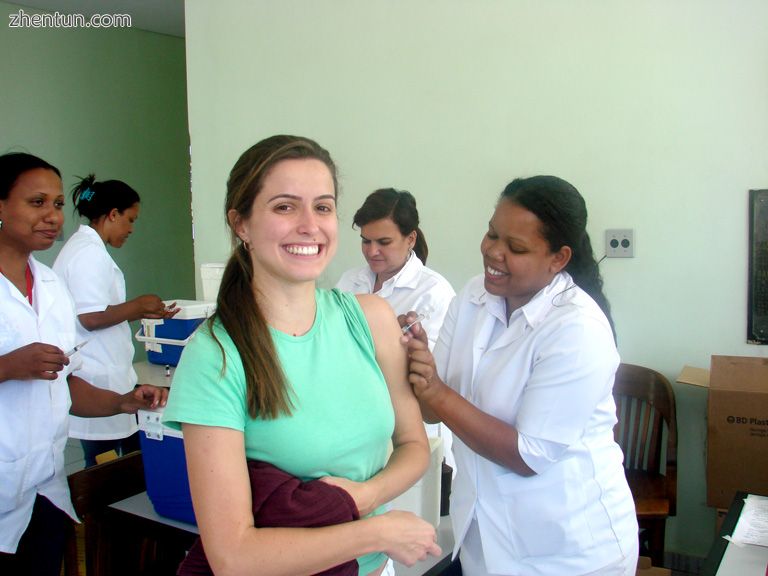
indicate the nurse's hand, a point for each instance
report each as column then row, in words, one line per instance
column 36, row 361
column 144, row 397
column 407, row 538
column 361, row 493
column 422, row 373
column 411, row 327
column 151, row 306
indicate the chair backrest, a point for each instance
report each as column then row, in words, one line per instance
column 645, row 406
column 104, row 484
column 92, row 490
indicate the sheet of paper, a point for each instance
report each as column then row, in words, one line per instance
column 752, row 527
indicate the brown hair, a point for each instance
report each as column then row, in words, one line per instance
column 400, row 207
column 236, row 306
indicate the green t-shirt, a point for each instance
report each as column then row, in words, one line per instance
column 342, row 418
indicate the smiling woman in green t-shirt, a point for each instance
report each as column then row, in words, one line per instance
column 311, row 381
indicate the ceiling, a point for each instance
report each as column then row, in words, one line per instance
column 161, row 16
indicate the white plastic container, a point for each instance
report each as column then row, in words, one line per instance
column 165, row 339
column 210, row 276
column 423, row 498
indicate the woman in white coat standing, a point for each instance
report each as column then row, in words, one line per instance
column 97, row 286
column 39, row 382
column 523, row 374
column 396, row 252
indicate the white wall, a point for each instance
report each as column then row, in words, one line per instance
column 108, row 102
column 657, row 111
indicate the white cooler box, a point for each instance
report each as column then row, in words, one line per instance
column 165, row 467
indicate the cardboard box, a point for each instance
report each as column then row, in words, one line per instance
column 737, row 425
column 644, row 568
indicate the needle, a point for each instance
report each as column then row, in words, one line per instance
column 407, row 327
column 76, row 348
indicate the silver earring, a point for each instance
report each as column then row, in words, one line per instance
column 1, row 224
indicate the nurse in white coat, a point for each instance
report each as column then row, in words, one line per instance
column 39, row 382
column 97, row 286
column 396, row 251
column 523, row 374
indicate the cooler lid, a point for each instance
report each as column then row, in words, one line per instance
column 192, row 309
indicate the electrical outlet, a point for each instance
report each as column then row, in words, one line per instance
column 620, row 243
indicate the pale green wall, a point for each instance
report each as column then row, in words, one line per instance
column 657, row 111
column 112, row 102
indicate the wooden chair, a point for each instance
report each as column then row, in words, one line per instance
column 647, row 433
column 92, row 490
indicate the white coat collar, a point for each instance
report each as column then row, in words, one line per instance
column 42, row 298
column 90, row 235
column 407, row 277
column 534, row 311
column 521, row 321
column 477, row 292
column 410, row 273
column 539, row 306
column 90, row 232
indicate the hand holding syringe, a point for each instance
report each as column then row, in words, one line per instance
column 410, row 325
column 76, row 348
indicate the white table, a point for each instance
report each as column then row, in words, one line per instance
column 728, row 559
column 140, row 505
column 746, row 560
column 154, row 374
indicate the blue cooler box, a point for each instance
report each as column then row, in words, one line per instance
column 165, row 467
column 164, row 339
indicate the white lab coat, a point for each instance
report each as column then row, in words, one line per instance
column 549, row 373
column 33, row 413
column 414, row 288
column 95, row 282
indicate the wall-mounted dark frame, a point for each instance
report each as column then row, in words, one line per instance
column 757, row 308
